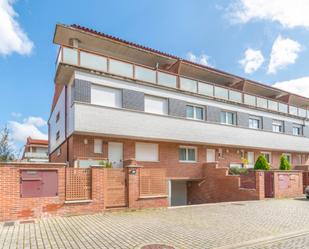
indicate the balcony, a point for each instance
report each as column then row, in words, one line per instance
column 36, row 155
column 69, row 57
column 93, row 119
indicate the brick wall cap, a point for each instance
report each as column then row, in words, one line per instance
column 134, row 166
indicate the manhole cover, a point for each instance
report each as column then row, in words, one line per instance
column 157, row 246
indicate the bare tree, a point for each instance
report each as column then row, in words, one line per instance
column 6, row 150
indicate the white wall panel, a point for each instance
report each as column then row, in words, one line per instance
column 118, row 122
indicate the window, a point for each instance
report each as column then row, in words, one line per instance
column 267, row 156
column 147, row 152
column 288, row 156
column 57, row 117
column 195, row 112
column 277, row 126
column 298, row 160
column 227, row 118
column 106, row 96
column 98, row 148
column 187, row 154
column 57, row 135
column 254, row 123
column 156, row 105
column 58, row 151
column 297, row 130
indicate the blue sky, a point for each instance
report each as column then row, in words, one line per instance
column 271, row 40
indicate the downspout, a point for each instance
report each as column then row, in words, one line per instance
column 65, row 121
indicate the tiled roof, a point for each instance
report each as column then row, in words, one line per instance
column 37, row 141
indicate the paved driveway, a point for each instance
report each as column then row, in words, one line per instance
column 262, row 224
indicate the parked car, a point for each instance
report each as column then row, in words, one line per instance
column 307, row 192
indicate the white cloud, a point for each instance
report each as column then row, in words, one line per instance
column 252, row 61
column 13, row 38
column 298, row 86
column 29, row 127
column 288, row 13
column 36, row 121
column 284, row 52
column 202, row 59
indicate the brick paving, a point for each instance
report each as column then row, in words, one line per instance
column 209, row 226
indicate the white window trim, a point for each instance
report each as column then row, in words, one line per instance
column 300, row 129
column 165, row 110
column 269, row 153
column 188, row 147
column 234, row 118
column 278, row 123
column 94, row 146
column 259, row 122
column 194, row 112
column 158, row 152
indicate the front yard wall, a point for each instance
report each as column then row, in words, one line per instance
column 218, row 186
column 13, row 207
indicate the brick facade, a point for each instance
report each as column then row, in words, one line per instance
column 82, row 147
column 15, row 207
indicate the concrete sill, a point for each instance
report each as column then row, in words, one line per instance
column 77, row 201
column 153, row 196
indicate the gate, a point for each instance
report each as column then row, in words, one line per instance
column 269, row 184
column 115, row 188
column 305, row 180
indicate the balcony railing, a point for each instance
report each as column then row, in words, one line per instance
column 97, row 62
column 36, row 155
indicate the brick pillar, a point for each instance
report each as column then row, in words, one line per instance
column 260, row 185
column 97, row 184
column 132, row 175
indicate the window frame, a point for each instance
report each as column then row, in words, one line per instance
column 277, row 125
column 157, row 151
column 288, row 155
column 256, row 119
column 57, row 135
column 299, row 127
column 234, row 121
column 267, row 153
column 194, row 112
column 165, row 108
column 94, row 146
column 187, row 154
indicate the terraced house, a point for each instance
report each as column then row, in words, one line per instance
column 115, row 100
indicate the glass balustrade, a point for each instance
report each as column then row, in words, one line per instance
column 70, row 56
column 145, row 74
column 165, row 79
column 100, row 63
column 93, row 61
column 188, row 85
column 205, row 89
column 221, row 93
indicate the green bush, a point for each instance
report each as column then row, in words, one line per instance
column 261, row 163
column 284, row 163
column 237, row 171
column 106, row 164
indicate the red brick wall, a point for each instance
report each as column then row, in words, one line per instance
column 218, row 186
column 293, row 187
column 168, row 155
column 13, row 207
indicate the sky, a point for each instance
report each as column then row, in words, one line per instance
column 262, row 40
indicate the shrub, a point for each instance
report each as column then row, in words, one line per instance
column 284, row 163
column 237, row 171
column 106, row 164
column 261, row 163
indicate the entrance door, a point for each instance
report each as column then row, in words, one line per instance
column 250, row 157
column 178, row 194
column 211, row 155
column 269, row 184
column 115, row 154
